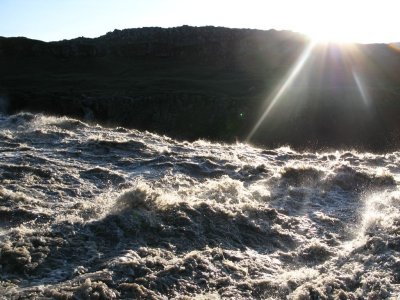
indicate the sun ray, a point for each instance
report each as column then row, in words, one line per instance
column 354, row 56
column 361, row 88
column 284, row 86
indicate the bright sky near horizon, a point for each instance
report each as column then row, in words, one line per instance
column 364, row 21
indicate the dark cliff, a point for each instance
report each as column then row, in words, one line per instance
column 207, row 82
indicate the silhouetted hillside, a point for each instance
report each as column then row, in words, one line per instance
column 209, row 82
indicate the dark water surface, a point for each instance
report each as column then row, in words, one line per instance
column 88, row 212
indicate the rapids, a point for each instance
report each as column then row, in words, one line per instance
column 88, row 212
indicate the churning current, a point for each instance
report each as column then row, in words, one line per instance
column 88, row 212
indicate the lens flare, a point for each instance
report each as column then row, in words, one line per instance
column 395, row 46
column 361, row 88
column 358, row 63
column 284, row 86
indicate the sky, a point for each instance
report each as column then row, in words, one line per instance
column 367, row 21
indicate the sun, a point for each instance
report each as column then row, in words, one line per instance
column 331, row 34
column 344, row 21
column 326, row 28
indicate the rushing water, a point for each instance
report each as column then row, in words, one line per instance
column 88, row 212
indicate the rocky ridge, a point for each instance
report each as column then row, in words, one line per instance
column 210, row 82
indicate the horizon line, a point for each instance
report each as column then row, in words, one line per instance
column 305, row 35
